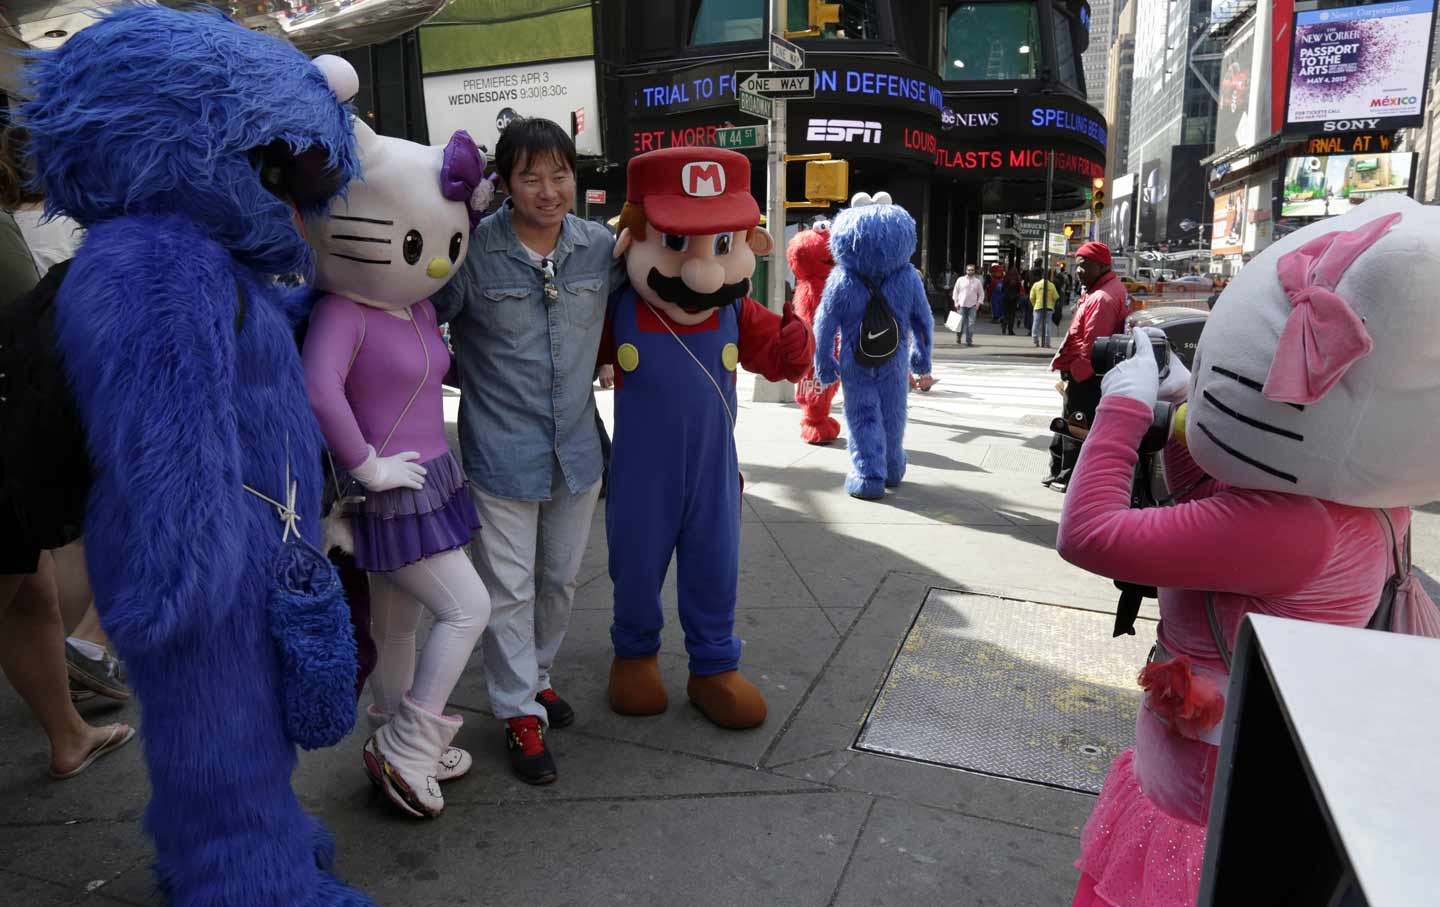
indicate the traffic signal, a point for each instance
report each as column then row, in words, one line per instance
column 1069, row 231
column 827, row 180
column 1097, row 198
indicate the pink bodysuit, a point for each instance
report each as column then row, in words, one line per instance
column 1265, row 552
column 359, row 389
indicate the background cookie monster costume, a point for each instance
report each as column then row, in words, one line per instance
column 690, row 231
column 810, row 260
column 183, row 142
column 872, row 242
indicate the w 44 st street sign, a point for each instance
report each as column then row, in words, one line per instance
column 741, row 137
column 777, row 83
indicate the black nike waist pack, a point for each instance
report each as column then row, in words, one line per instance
column 879, row 338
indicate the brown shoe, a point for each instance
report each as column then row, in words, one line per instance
column 636, row 687
column 728, row 699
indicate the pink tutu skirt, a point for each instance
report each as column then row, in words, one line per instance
column 1134, row 855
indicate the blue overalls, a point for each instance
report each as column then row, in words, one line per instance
column 674, row 484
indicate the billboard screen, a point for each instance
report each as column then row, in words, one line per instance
column 1234, row 125
column 483, row 102
column 1323, row 186
column 1229, row 222
column 1359, row 67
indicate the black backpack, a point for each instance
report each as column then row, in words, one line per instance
column 44, row 464
column 879, row 338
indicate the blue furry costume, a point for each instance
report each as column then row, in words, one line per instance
column 153, row 128
column 874, row 241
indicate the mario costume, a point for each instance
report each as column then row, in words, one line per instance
column 689, row 233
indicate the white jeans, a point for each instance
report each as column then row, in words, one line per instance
column 530, row 613
column 447, row 586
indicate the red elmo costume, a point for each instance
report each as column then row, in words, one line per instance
column 811, row 262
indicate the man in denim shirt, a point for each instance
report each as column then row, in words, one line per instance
column 526, row 312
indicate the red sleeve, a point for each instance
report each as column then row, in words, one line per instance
column 1074, row 355
column 606, row 354
column 760, row 344
column 1241, row 542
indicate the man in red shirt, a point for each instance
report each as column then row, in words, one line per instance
column 1101, row 312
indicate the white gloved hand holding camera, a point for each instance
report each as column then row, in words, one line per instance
column 385, row 473
column 1138, row 377
column 1175, row 388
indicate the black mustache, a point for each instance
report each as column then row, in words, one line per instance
column 677, row 291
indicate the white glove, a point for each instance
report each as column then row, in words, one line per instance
column 1176, row 386
column 386, row 473
column 1137, row 377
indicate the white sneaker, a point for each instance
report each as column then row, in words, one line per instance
column 454, row 762
column 405, row 755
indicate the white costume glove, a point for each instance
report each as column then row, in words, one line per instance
column 386, row 473
column 1137, row 377
column 1176, row 386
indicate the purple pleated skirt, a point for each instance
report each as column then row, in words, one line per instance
column 399, row 527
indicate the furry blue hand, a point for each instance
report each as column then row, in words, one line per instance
column 827, row 373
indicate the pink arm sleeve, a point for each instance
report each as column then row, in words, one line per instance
column 1247, row 543
column 1181, row 472
column 334, row 335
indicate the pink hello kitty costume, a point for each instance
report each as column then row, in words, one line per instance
column 374, row 359
column 1315, row 398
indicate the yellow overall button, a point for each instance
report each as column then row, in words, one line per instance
column 628, row 357
column 730, row 356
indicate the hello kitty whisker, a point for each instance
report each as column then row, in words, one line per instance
column 1243, row 458
column 365, row 261
column 1250, row 383
column 1248, row 420
column 364, row 220
column 379, row 239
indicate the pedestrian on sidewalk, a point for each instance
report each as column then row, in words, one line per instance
column 1014, row 288
column 966, row 299
column 995, row 293
column 527, row 310
column 1101, row 312
column 1043, row 297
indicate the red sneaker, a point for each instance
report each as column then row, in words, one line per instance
column 529, row 757
column 556, row 709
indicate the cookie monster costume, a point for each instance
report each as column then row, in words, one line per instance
column 810, row 260
column 872, row 242
column 184, row 142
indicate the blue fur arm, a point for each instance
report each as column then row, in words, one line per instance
column 146, row 326
column 827, row 324
column 922, row 321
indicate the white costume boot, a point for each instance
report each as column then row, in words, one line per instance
column 405, row 754
column 454, row 762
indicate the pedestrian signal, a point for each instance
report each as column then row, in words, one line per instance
column 1069, row 231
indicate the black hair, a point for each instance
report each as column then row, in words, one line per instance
column 530, row 139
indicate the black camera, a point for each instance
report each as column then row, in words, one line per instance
column 1109, row 352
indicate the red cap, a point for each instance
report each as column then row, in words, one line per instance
column 1095, row 251
column 693, row 191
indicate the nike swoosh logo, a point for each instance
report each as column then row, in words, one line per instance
column 881, row 334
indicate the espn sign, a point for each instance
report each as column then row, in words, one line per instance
column 867, row 131
column 703, row 179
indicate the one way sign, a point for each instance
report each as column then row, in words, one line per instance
column 774, row 83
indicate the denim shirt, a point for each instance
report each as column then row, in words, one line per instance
column 527, row 365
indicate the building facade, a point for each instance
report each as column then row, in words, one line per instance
column 1104, row 15
column 1117, row 222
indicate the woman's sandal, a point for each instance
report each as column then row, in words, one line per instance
column 120, row 734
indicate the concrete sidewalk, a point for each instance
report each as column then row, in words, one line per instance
column 671, row 810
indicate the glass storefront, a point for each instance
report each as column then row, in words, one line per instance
column 723, row 21
column 992, row 41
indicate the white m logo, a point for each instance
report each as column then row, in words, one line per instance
column 703, row 179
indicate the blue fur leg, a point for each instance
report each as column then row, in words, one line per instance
column 324, row 845
column 867, row 489
column 895, row 469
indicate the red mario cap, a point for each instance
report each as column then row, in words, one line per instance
column 693, row 191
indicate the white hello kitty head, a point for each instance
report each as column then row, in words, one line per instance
column 402, row 229
column 1319, row 371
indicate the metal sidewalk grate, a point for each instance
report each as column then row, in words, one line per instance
column 1010, row 688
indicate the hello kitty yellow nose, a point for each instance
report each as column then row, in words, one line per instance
column 438, row 268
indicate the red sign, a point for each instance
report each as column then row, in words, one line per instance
column 1025, row 160
column 580, row 121
column 594, row 196
column 642, row 140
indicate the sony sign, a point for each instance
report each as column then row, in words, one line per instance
column 867, row 131
column 1350, row 125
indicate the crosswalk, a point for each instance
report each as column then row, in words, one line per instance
column 983, row 393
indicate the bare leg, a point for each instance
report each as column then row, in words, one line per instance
column 32, row 655
column 77, row 602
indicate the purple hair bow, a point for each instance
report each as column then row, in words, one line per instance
column 462, row 176
column 1323, row 336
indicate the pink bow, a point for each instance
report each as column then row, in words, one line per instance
column 1323, row 336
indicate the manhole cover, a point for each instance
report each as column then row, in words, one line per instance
column 1011, row 688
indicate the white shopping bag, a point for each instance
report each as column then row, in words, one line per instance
column 954, row 321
